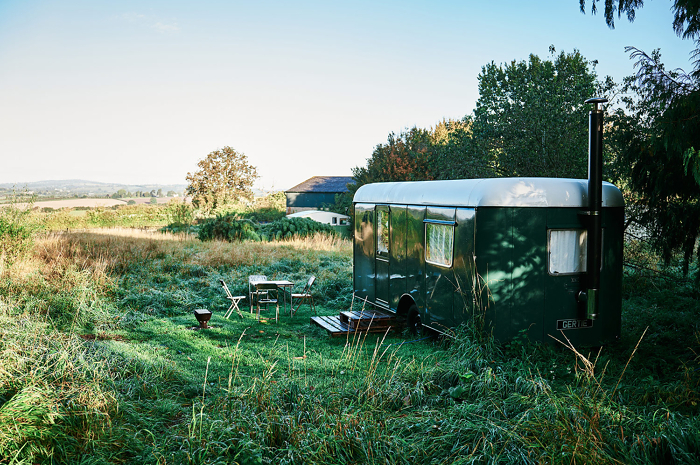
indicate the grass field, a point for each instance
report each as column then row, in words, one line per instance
column 100, row 365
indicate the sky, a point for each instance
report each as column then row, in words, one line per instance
column 138, row 92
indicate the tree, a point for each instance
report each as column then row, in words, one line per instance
column 405, row 157
column 531, row 118
column 457, row 154
column 656, row 142
column 686, row 19
column 223, row 176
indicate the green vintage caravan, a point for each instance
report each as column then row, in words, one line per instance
column 512, row 251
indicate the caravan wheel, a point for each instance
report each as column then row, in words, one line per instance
column 415, row 326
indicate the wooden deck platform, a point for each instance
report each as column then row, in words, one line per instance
column 372, row 321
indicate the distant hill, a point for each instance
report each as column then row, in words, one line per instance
column 82, row 187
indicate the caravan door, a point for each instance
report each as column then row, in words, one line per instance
column 440, row 282
column 381, row 261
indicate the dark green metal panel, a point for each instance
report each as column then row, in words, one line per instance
column 397, row 255
column 610, row 315
column 528, row 272
column 494, row 261
column 561, row 292
column 512, row 267
column 415, row 257
column 363, row 256
column 463, row 265
column 439, row 281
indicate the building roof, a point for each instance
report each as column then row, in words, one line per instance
column 320, row 184
column 494, row 192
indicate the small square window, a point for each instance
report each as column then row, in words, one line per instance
column 334, row 220
column 439, row 244
column 568, row 250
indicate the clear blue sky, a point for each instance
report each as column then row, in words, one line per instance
column 139, row 91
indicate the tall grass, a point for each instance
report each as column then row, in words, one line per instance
column 100, row 365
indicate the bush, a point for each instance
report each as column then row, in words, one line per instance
column 180, row 212
column 264, row 215
column 288, row 228
column 17, row 230
column 230, row 228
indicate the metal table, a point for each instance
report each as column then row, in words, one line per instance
column 283, row 285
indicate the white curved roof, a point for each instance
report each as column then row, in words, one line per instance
column 492, row 192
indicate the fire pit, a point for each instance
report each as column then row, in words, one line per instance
column 203, row 315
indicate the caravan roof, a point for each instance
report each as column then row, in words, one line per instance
column 492, row 192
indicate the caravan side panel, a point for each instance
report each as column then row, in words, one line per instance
column 415, row 256
column 364, row 249
column 494, row 262
column 464, row 271
column 397, row 256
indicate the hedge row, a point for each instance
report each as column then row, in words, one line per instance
column 230, row 228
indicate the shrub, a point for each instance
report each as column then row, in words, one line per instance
column 288, row 228
column 180, row 213
column 230, row 228
column 264, row 215
column 17, row 230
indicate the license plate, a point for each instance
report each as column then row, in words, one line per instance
column 574, row 324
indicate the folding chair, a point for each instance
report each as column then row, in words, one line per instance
column 304, row 296
column 264, row 288
column 235, row 299
column 253, row 294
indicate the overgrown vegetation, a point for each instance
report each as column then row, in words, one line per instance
column 232, row 228
column 16, row 233
column 100, row 361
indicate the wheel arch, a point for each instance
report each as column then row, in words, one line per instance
column 405, row 303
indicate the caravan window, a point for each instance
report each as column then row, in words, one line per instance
column 567, row 251
column 382, row 230
column 439, row 243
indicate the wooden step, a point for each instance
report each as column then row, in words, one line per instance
column 337, row 327
column 332, row 324
column 367, row 318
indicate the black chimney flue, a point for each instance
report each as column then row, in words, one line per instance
column 595, row 203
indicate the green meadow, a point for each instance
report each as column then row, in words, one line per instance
column 101, row 365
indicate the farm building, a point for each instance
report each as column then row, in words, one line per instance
column 316, row 192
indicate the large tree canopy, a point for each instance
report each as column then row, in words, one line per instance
column 531, row 117
column 223, row 176
column 530, row 120
column 657, row 141
column 406, row 157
